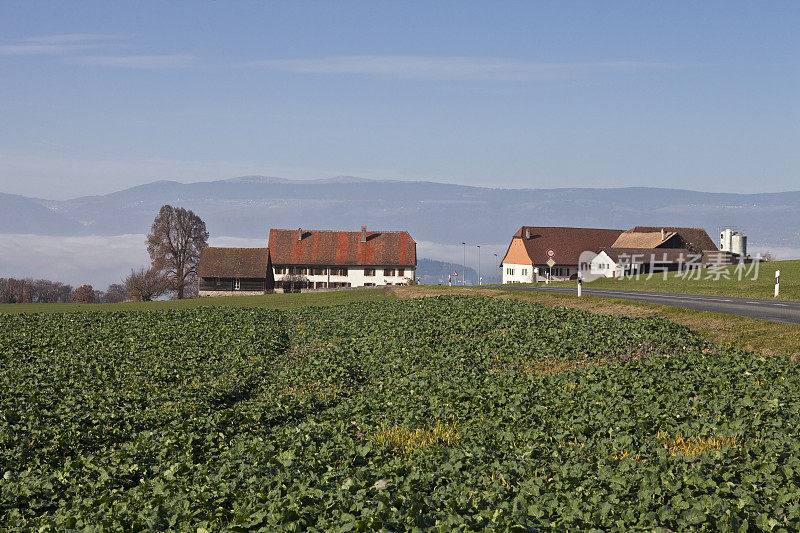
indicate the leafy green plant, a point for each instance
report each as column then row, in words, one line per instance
column 443, row 413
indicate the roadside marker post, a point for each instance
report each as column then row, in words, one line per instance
column 550, row 263
column 777, row 283
column 580, row 283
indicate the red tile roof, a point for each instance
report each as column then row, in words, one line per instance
column 567, row 243
column 342, row 248
column 233, row 262
column 695, row 239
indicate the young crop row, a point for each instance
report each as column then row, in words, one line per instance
column 441, row 413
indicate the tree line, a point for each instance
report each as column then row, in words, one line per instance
column 176, row 239
column 29, row 290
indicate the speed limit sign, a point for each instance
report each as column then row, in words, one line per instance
column 551, row 252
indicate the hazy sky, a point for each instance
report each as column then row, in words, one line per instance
column 95, row 97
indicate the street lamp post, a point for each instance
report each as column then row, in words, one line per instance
column 480, row 282
column 464, row 265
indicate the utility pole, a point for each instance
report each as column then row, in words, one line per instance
column 464, row 265
column 479, row 265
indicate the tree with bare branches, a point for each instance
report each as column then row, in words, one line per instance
column 145, row 285
column 174, row 244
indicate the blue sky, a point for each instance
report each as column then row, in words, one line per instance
column 95, row 97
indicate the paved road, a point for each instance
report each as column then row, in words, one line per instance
column 775, row 310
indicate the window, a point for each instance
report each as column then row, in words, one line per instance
column 338, row 272
column 216, row 282
column 237, row 285
column 369, row 271
column 318, row 272
column 510, row 271
column 388, row 272
column 401, row 272
column 524, row 271
column 369, row 284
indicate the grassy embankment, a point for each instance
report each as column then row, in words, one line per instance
column 726, row 284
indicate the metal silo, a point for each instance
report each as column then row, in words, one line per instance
column 739, row 244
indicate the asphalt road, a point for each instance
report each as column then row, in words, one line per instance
column 784, row 311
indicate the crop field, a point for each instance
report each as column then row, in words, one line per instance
column 452, row 412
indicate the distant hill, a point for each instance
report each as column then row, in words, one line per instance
column 433, row 272
column 19, row 214
column 432, row 212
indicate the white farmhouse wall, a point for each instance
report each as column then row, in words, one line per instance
column 517, row 273
column 603, row 266
column 356, row 277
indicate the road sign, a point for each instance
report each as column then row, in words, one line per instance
column 551, row 252
column 550, row 262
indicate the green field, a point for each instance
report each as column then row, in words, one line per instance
column 267, row 301
column 448, row 412
column 762, row 287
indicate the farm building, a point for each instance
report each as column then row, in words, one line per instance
column 526, row 258
column 328, row 259
column 616, row 262
column 229, row 271
column 297, row 260
column 602, row 252
column 696, row 240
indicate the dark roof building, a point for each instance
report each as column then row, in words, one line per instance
column 694, row 239
column 533, row 242
column 247, row 270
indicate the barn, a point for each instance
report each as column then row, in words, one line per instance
column 235, row 271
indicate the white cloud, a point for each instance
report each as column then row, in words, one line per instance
column 450, row 68
column 76, row 37
column 61, row 44
column 138, row 61
column 42, row 49
column 73, row 44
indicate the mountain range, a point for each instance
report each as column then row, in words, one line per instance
column 434, row 212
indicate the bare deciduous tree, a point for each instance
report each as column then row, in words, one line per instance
column 29, row 291
column 145, row 285
column 115, row 293
column 174, row 245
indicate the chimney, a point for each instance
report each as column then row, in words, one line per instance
column 527, row 233
column 299, row 234
column 363, row 234
column 663, row 234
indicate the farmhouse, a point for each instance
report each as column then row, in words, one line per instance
column 645, row 250
column 327, row 259
column 300, row 259
column 526, row 258
column 603, row 252
column 229, row 271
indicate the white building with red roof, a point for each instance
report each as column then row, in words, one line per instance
column 330, row 259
